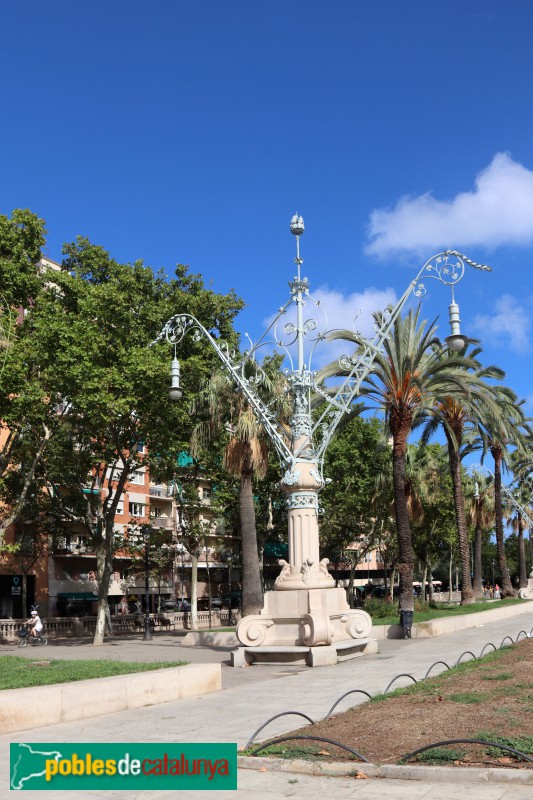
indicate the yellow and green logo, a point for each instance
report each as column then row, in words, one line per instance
column 121, row 766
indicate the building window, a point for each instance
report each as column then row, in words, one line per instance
column 137, row 477
column 137, row 509
column 206, row 493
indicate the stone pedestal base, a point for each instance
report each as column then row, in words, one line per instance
column 306, row 618
column 324, row 656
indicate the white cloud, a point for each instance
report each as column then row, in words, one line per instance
column 509, row 324
column 337, row 311
column 498, row 211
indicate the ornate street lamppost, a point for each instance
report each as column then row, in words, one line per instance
column 306, row 608
column 146, row 533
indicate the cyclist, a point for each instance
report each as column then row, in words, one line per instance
column 36, row 624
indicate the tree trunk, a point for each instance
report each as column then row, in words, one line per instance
column 522, row 573
column 450, row 576
column 349, row 590
column 424, row 581
column 194, row 591
column 467, row 593
column 430, row 584
column 507, row 587
column 478, row 568
column 252, row 595
column 406, row 555
column 104, row 566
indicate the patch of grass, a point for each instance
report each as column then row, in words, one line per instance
column 501, row 676
column 469, row 698
column 20, row 673
column 440, row 755
column 424, row 613
column 219, row 630
column 522, row 743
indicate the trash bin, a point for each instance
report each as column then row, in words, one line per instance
column 406, row 621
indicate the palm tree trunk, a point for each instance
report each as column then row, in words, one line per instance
column 467, row 593
column 406, row 556
column 521, row 554
column 252, row 595
column 507, row 587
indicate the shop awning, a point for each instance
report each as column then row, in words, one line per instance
column 77, row 596
column 276, row 550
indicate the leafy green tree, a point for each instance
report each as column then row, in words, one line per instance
column 93, row 331
column 350, row 522
column 25, row 404
column 161, row 550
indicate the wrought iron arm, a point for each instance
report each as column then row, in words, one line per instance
column 438, row 267
column 175, row 329
column 514, row 501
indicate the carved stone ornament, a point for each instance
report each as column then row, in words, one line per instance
column 302, row 500
column 308, row 571
column 285, row 571
column 357, row 624
column 323, row 566
column 251, row 631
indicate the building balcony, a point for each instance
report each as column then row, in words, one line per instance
column 162, row 522
column 163, row 492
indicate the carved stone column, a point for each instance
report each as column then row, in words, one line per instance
column 304, row 570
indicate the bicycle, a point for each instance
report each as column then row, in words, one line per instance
column 40, row 639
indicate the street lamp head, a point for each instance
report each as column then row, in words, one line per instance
column 146, row 531
column 175, row 392
column 297, row 225
column 456, row 341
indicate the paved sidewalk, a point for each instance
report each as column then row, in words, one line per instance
column 251, row 695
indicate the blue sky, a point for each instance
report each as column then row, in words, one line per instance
column 192, row 132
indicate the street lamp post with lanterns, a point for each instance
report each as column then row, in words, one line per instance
column 305, row 608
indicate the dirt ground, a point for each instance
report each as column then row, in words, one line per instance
column 492, row 697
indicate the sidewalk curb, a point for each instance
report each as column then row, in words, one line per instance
column 522, row 777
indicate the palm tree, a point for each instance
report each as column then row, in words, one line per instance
column 522, row 467
column 522, row 493
column 245, row 456
column 456, row 414
column 480, row 516
column 406, row 378
column 498, row 432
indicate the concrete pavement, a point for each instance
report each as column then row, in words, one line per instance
column 251, row 695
